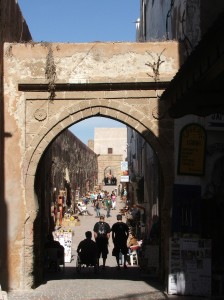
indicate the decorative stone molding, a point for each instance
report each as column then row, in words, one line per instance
column 40, row 114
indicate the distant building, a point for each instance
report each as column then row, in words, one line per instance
column 110, row 144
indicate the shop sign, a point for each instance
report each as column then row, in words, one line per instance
column 124, row 178
column 215, row 122
column 192, row 150
column 124, row 173
column 124, row 166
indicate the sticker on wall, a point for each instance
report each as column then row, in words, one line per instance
column 191, row 160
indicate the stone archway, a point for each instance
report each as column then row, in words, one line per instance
column 163, row 147
column 110, row 175
column 128, row 95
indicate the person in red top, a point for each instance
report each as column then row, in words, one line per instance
column 113, row 198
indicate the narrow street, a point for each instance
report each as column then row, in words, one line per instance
column 110, row 283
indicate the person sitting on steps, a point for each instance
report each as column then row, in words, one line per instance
column 83, row 210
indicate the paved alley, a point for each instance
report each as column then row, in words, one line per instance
column 110, row 283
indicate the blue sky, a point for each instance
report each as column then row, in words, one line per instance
column 82, row 21
column 85, row 130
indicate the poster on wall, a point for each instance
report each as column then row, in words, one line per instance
column 192, row 146
column 189, row 267
column 215, row 122
column 124, row 166
column 124, row 178
column 68, row 246
column 65, row 239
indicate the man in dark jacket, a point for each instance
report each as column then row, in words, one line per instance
column 102, row 234
column 120, row 232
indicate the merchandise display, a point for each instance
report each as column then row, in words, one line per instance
column 64, row 237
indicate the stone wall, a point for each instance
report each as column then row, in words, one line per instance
column 67, row 165
column 184, row 21
column 13, row 28
column 95, row 79
column 68, row 152
column 112, row 161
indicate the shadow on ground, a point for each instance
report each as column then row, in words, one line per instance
column 110, row 273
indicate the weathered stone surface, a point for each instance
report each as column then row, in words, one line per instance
column 34, row 120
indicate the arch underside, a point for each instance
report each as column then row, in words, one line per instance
column 134, row 115
column 137, row 115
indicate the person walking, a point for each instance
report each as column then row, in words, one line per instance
column 108, row 206
column 92, row 198
column 120, row 233
column 97, row 208
column 102, row 234
column 95, row 198
column 113, row 198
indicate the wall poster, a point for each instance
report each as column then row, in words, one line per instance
column 64, row 237
column 192, row 146
column 189, row 267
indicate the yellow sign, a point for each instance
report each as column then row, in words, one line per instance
column 192, row 150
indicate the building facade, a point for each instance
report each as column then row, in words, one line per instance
column 68, row 169
column 110, row 144
column 198, row 119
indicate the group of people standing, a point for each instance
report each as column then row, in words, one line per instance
column 93, row 251
column 105, row 201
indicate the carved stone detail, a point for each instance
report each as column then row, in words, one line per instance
column 40, row 114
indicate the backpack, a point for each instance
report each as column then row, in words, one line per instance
column 101, row 229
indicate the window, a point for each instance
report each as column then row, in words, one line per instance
column 110, row 150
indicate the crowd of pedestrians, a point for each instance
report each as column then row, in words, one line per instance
column 91, row 251
column 95, row 246
column 91, row 242
column 103, row 203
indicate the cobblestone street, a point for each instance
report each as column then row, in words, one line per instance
column 110, row 283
